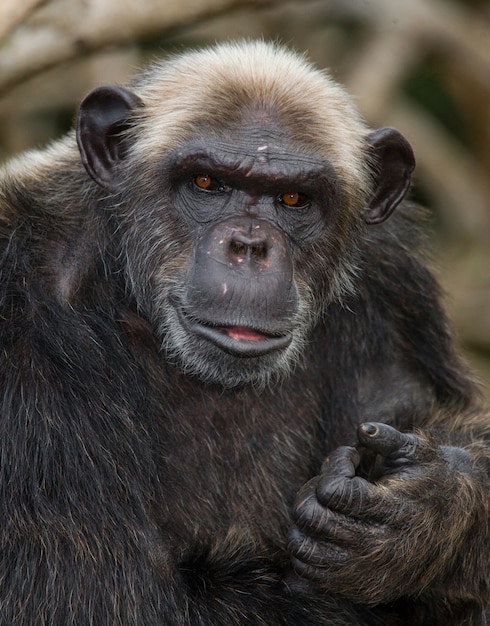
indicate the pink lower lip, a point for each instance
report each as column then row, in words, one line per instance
column 239, row 341
column 242, row 334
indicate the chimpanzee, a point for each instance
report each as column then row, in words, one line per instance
column 229, row 394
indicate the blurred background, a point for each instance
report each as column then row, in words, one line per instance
column 420, row 65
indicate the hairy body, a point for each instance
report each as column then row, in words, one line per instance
column 199, row 306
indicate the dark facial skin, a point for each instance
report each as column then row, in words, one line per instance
column 249, row 204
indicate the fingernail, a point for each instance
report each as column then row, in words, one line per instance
column 369, row 429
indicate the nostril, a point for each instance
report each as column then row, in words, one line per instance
column 242, row 247
column 238, row 248
column 259, row 251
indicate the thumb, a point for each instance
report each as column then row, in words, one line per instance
column 391, row 443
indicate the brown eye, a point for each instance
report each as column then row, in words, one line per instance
column 294, row 199
column 209, row 183
column 203, row 181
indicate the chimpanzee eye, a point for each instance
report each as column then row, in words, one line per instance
column 208, row 183
column 294, row 199
column 203, row 181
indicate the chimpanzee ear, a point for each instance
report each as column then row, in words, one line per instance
column 393, row 164
column 102, row 116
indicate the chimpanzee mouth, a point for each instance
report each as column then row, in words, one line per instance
column 241, row 341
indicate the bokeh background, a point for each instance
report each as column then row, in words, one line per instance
column 420, row 65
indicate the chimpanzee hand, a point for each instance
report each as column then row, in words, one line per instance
column 375, row 541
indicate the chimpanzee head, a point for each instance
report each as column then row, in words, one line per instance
column 242, row 180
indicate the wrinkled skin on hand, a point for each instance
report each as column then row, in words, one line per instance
column 354, row 530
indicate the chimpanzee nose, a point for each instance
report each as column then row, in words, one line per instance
column 243, row 259
column 247, row 247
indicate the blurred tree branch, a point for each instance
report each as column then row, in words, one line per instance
column 39, row 34
column 379, row 66
column 12, row 12
column 435, row 24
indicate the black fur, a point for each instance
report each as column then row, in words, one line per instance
column 133, row 493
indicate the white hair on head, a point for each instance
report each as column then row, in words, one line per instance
column 181, row 91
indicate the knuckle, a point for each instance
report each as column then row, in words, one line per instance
column 345, row 495
column 313, row 518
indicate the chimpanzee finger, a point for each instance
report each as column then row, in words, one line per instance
column 314, row 552
column 311, row 516
column 307, row 512
column 332, row 488
column 341, row 462
column 393, row 444
column 310, row 572
column 339, row 489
